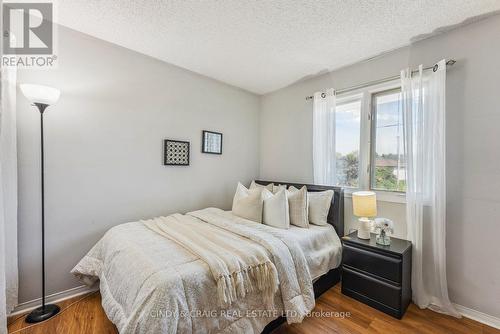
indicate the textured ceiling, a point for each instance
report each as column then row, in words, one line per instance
column 261, row 45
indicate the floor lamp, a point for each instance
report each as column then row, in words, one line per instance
column 41, row 97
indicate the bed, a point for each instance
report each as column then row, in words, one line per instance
column 152, row 284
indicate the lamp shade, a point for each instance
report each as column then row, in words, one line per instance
column 40, row 94
column 364, row 203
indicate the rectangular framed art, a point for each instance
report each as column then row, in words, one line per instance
column 175, row 153
column 212, row 142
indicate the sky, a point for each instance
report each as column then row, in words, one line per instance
column 348, row 125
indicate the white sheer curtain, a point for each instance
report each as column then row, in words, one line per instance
column 324, row 170
column 423, row 99
column 8, row 195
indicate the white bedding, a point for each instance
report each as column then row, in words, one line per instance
column 238, row 264
column 151, row 284
column 321, row 246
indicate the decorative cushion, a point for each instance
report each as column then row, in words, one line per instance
column 297, row 202
column 255, row 185
column 248, row 203
column 278, row 187
column 319, row 206
column 276, row 209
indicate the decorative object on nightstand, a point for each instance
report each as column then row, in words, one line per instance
column 364, row 206
column 382, row 227
column 379, row 276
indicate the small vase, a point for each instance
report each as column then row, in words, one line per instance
column 383, row 239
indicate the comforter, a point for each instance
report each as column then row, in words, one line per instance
column 151, row 284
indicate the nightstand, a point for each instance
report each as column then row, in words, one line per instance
column 379, row 276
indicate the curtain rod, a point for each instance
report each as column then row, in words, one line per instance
column 450, row 62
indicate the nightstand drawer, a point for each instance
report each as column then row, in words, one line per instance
column 371, row 262
column 379, row 291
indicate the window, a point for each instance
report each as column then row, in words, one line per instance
column 347, row 135
column 388, row 165
column 369, row 141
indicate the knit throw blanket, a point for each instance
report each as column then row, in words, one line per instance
column 238, row 265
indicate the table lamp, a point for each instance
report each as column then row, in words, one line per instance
column 364, row 206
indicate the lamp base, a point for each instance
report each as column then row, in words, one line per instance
column 42, row 313
column 364, row 228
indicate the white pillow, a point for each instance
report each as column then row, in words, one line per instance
column 297, row 202
column 255, row 185
column 248, row 203
column 319, row 205
column 278, row 188
column 276, row 209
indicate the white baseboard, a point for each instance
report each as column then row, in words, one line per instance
column 478, row 316
column 53, row 298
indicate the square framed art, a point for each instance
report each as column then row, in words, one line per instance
column 175, row 153
column 212, row 142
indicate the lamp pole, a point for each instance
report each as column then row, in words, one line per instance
column 43, row 312
column 41, row 107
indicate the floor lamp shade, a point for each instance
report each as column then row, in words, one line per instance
column 40, row 94
column 364, row 205
column 41, row 97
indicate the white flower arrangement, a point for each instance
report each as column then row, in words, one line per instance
column 384, row 225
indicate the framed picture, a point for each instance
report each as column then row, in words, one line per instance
column 212, row 142
column 175, row 153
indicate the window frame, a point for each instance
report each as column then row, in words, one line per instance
column 373, row 137
column 345, row 99
column 365, row 141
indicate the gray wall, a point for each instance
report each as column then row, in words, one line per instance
column 473, row 149
column 104, row 150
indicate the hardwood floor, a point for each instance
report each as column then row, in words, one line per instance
column 84, row 314
column 364, row 319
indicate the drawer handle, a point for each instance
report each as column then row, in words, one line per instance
column 371, row 279
column 383, row 257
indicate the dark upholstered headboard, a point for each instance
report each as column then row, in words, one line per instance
column 336, row 213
